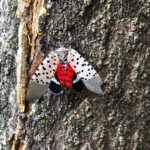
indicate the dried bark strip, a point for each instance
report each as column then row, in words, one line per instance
column 22, row 65
column 28, row 11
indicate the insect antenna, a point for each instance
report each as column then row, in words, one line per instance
column 72, row 41
column 50, row 44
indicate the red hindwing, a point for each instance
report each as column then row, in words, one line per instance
column 65, row 75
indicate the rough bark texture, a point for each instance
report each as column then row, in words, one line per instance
column 114, row 37
column 8, row 49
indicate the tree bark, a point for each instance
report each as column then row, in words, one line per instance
column 114, row 37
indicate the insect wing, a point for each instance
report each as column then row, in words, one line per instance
column 85, row 72
column 41, row 79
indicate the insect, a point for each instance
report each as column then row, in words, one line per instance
column 63, row 67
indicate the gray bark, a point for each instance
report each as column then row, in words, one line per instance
column 8, row 48
column 114, row 37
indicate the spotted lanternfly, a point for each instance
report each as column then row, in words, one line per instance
column 63, row 67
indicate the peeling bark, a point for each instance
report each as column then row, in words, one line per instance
column 114, row 37
column 22, row 65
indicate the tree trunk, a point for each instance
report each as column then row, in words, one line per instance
column 114, row 37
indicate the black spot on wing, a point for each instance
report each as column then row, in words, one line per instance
column 65, row 74
column 36, row 74
column 43, row 68
column 95, row 74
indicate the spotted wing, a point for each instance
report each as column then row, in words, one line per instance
column 85, row 72
column 40, row 80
